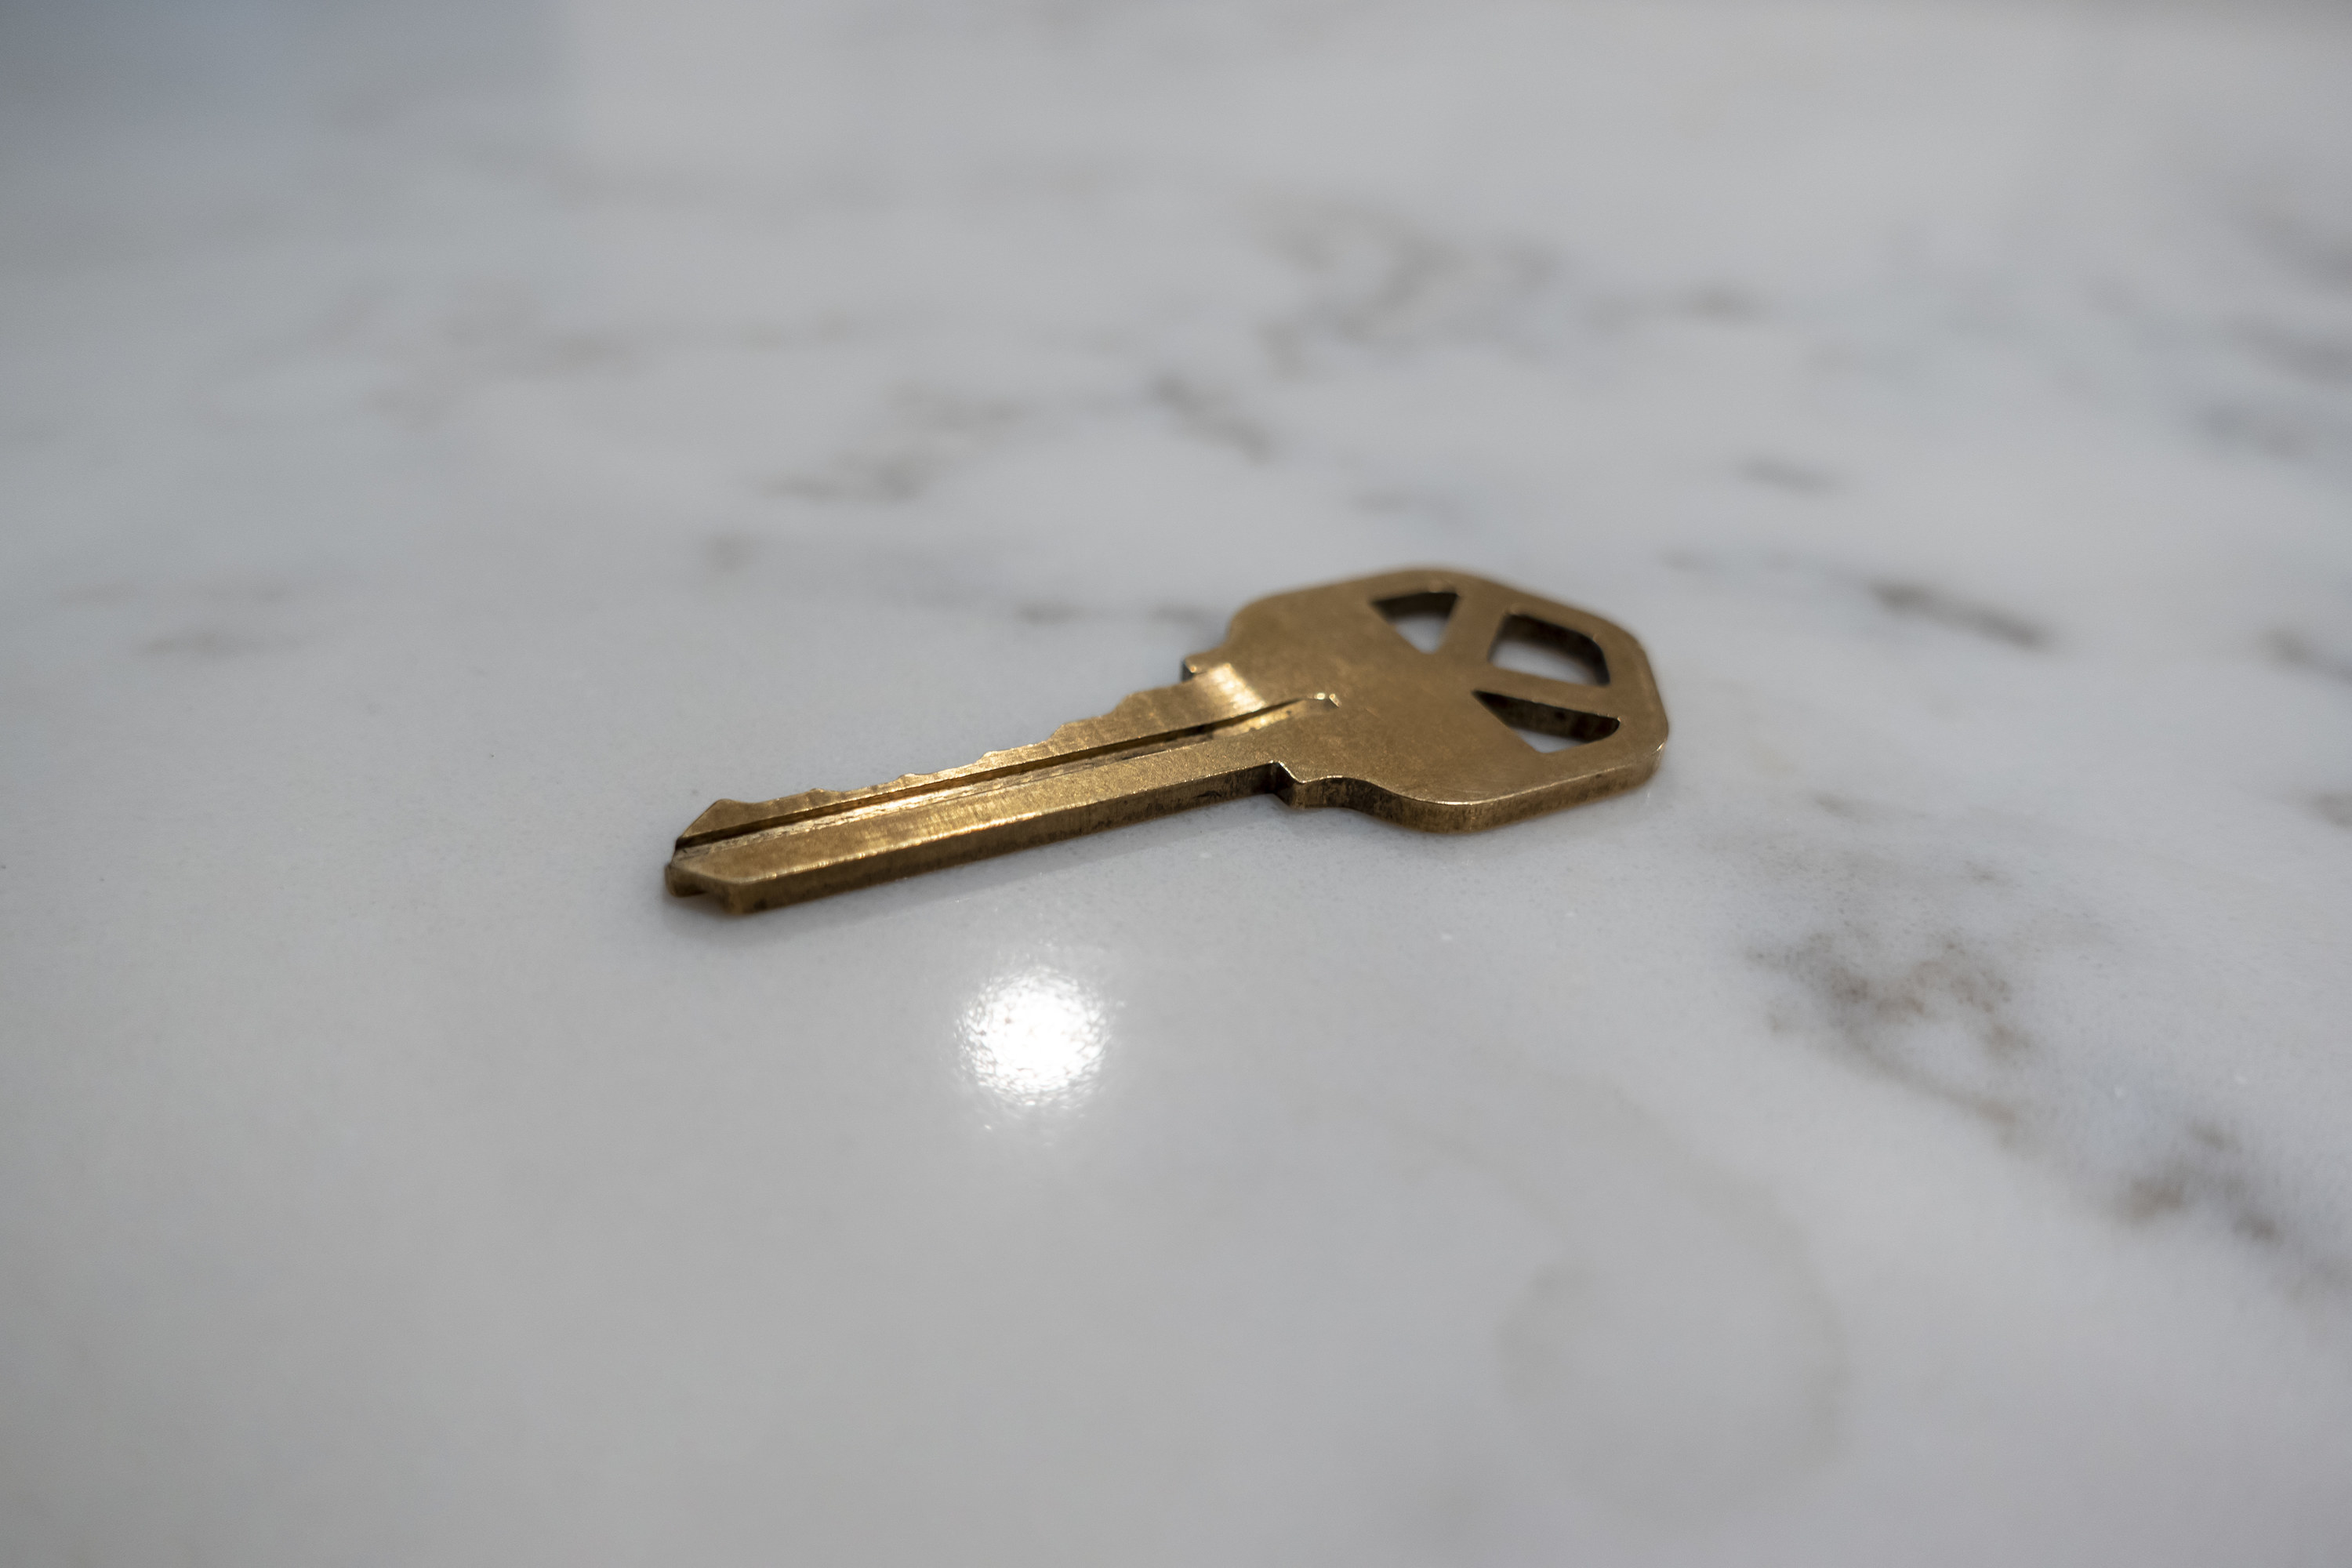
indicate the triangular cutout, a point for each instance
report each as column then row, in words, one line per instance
column 1538, row 647
column 1545, row 728
column 1419, row 618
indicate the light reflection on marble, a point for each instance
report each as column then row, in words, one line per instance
column 1035, row 1039
column 444, row 445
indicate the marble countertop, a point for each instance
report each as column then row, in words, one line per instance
column 443, row 446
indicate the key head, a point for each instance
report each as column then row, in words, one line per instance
column 1445, row 740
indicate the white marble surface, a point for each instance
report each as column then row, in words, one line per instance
column 444, row 445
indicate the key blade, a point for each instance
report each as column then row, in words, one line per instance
column 1159, row 752
column 1213, row 697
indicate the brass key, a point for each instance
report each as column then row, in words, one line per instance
column 1316, row 697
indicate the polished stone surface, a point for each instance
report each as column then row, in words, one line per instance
column 444, row 446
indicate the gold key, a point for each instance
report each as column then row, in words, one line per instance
column 1318, row 696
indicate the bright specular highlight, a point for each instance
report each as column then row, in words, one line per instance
column 1035, row 1039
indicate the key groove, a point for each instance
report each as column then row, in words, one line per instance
column 935, row 787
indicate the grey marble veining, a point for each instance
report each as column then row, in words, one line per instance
column 442, row 447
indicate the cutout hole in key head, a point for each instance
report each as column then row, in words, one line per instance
column 1419, row 618
column 1538, row 647
column 1545, row 728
